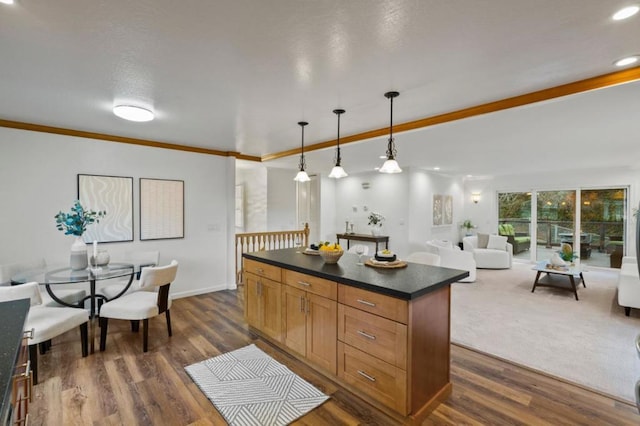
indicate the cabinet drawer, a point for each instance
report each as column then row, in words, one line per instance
column 262, row 269
column 315, row 285
column 377, row 336
column 379, row 380
column 375, row 303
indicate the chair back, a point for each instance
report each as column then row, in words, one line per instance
column 424, row 258
column 29, row 291
column 354, row 249
column 158, row 275
column 10, row 269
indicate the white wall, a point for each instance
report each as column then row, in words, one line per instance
column 281, row 200
column 253, row 179
column 406, row 201
column 38, row 178
column 484, row 214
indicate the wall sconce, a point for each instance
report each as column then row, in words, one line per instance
column 475, row 197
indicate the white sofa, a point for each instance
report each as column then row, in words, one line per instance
column 452, row 257
column 629, row 285
column 493, row 257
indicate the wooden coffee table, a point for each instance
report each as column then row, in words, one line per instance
column 553, row 277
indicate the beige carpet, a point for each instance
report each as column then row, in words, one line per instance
column 589, row 342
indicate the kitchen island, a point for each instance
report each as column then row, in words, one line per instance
column 381, row 333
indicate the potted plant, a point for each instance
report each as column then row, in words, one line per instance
column 75, row 223
column 467, row 225
column 375, row 221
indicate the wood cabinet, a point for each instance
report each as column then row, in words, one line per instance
column 373, row 345
column 263, row 305
column 22, row 389
column 310, row 318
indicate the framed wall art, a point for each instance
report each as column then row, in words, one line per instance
column 113, row 194
column 442, row 210
column 161, row 209
column 437, row 209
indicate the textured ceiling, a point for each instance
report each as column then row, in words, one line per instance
column 238, row 75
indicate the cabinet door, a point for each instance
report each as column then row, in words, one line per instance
column 295, row 331
column 252, row 303
column 271, row 313
column 322, row 326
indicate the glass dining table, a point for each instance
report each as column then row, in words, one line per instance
column 57, row 277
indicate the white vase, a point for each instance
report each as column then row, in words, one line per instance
column 556, row 260
column 78, row 259
column 376, row 230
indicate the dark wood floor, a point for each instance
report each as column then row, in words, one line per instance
column 123, row 386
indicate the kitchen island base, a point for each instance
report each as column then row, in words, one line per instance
column 388, row 346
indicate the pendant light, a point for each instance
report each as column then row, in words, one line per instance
column 338, row 172
column 391, row 165
column 302, row 176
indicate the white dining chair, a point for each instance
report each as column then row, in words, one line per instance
column 142, row 304
column 46, row 322
column 142, row 258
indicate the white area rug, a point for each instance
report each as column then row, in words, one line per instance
column 248, row 387
column 589, row 342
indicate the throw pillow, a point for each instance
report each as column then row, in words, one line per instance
column 483, row 240
column 497, row 242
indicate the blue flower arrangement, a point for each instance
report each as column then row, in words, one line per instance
column 75, row 222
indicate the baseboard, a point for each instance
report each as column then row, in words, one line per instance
column 181, row 294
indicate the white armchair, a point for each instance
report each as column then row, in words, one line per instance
column 497, row 254
column 452, row 257
column 629, row 285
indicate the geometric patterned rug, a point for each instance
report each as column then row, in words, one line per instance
column 248, row 387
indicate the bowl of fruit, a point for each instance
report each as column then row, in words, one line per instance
column 330, row 253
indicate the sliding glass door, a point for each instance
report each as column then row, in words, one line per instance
column 556, row 214
column 592, row 221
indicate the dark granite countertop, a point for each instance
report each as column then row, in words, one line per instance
column 13, row 316
column 404, row 283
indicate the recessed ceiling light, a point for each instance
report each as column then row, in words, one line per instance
column 469, row 175
column 626, row 61
column 133, row 113
column 625, row 13
column 382, row 157
column 436, row 168
column 377, row 168
column 6, row 1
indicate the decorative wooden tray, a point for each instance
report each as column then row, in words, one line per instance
column 386, row 265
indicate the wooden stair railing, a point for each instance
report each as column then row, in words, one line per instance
column 273, row 240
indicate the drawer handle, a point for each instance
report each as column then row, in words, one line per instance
column 366, row 376
column 304, row 284
column 29, row 333
column 364, row 302
column 367, row 335
column 260, row 270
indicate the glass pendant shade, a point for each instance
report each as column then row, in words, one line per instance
column 338, row 172
column 302, row 175
column 391, row 165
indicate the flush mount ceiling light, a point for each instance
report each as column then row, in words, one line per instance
column 6, row 1
column 391, row 165
column 133, row 113
column 302, row 175
column 626, row 61
column 625, row 13
column 338, row 172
